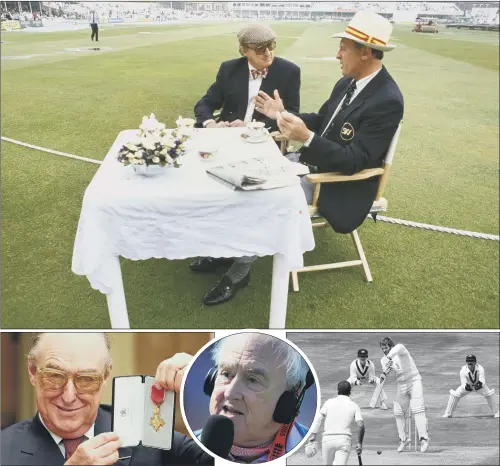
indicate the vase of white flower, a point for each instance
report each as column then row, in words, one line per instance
column 152, row 149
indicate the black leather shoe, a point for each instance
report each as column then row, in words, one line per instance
column 210, row 264
column 224, row 290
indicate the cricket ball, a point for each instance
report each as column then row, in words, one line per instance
column 379, row 452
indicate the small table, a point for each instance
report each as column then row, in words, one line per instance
column 187, row 213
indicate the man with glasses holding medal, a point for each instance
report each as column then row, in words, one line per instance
column 69, row 372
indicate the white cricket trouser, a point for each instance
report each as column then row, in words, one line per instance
column 335, row 448
column 409, row 391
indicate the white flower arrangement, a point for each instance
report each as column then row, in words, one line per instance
column 152, row 145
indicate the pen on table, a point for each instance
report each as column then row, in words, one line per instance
column 124, row 457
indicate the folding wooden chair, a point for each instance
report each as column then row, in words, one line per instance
column 379, row 205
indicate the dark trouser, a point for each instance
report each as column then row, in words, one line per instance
column 241, row 265
column 95, row 31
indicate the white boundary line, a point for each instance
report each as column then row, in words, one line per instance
column 50, row 151
column 382, row 218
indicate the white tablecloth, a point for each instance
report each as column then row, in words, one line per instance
column 186, row 213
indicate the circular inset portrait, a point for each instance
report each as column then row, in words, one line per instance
column 250, row 397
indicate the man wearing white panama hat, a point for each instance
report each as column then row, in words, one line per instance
column 354, row 127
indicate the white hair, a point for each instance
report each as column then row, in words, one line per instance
column 35, row 350
column 296, row 367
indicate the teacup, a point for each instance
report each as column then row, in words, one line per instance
column 206, row 152
column 185, row 125
column 256, row 130
column 185, row 122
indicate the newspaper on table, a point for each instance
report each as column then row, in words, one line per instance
column 259, row 173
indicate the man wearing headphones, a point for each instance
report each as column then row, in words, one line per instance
column 362, row 371
column 338, row 414
column 472, row 378
column 258, row 382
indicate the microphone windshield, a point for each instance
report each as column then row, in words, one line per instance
column 218, row 435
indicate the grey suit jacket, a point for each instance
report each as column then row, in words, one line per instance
column 29, row 443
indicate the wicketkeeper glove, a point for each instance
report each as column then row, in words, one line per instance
column 357, row 382
column 478, row 385
column 372, row 381
column 311, row 449
column 468, row 387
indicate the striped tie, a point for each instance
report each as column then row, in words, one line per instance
column 71, row 444
column 348, row 96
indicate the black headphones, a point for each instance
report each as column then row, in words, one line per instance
column 288, row 404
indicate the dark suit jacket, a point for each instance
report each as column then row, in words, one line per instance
column 229, row 92
column 358, row 140
column 29, row 443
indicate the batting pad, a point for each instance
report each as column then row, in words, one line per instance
column 398, row 411
column 417, row 405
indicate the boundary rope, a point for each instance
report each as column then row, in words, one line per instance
column 50, row 151
column 426, row 226
column 382, row 218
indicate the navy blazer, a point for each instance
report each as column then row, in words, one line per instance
column 229, row 92
column 359, row 139
column 29, row 443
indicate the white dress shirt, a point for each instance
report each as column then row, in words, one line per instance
column 253, row 90
column 360, row 85
column 94, row 18
column 338, row 413
column 58, row 440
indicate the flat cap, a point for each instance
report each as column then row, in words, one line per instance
column 256, row 33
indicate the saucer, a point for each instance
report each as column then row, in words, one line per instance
column 247, row 138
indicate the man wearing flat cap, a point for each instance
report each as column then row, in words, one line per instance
column 239, row 80
column 234, row 91
column 353, row 129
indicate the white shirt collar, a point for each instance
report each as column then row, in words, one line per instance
column 57, row 439
column 364, row 81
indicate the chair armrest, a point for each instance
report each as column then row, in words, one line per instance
column 336, row 177
column 277, row 136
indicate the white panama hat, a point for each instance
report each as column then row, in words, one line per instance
column 370, row 29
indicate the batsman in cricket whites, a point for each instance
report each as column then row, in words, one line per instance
column 363, row 370
column 472, row 379
column 409, row 394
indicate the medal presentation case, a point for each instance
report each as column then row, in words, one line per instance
column 142, row 414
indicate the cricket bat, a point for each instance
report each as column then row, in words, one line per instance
column 360, row 462
column 376, row 393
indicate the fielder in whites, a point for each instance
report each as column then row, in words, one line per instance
column 472, row 379
column 409, row 392
column 363, row 370
column 338, row 414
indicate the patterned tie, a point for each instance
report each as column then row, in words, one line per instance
column 257, row 73
column 348, row 96
column 71, row 444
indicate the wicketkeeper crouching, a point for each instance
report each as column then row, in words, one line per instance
column 472, row 379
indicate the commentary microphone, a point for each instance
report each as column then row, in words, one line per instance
column 218, row 435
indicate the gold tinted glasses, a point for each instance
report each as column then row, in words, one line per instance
column 261, row 49
column 85, row 382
